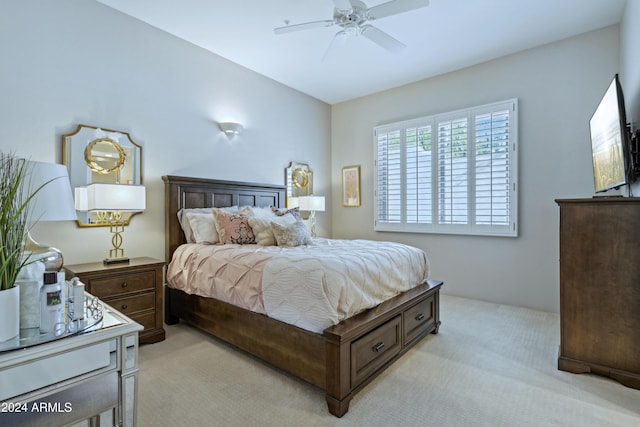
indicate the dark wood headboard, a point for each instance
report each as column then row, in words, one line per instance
column 184, row 192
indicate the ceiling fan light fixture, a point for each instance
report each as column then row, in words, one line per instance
column 353, row 16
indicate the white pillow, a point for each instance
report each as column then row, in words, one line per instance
column 258, row 212
column 197, row 218
column 262, row 229
column 203, row 227
column 184, row 222
column 295, row 234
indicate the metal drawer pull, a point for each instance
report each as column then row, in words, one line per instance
column 419, row 317
column 125, row 284
column 124, row 306
column 378, row 346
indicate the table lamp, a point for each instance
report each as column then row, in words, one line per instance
column 53, row 202
column 112, row 200
column 311, row 204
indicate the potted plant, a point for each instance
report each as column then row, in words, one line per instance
column 14, row 217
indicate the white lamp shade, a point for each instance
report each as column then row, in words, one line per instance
column 80, row 198
column 54, row 201
column 311, row 203
column 113, row 197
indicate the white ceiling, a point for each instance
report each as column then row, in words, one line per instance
column 445, row 36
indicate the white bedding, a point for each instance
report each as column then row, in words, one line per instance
column 311, row 286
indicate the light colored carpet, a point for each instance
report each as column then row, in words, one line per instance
column 490, row 365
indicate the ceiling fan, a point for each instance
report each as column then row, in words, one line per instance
column 353, row 17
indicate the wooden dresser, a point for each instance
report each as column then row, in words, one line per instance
column 134, row 289
column 600, row 288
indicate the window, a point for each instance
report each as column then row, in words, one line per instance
column 449, row 173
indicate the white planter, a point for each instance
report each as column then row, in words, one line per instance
column 9, row 313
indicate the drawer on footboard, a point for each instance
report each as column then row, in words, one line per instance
column 374, row 349
column 418, row 319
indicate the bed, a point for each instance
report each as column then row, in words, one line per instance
column 341, row 359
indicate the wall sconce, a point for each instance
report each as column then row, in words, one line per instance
column 311, row 204
column 110, row 200
column 230, row 129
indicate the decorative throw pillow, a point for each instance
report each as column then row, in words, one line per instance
column 295, row 234
column 203, row 230
column 293, row 211
column 263, row 231
column 233, row 227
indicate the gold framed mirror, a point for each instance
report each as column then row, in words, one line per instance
column 299, row 181
column 97, row 155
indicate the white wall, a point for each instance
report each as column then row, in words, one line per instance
column 558, row 87
column 67, row 62
column 630, row 67
column 630, row 60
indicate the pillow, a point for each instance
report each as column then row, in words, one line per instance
column 295, row 234
column 262, row 229
column 186, row 226
column 202, row 227
column 258, row 212
column 233, row 227
column 293, row 211
column 184, row 222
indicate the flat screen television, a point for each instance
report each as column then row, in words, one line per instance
column 610, row 140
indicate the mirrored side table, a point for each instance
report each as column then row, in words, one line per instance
column 87, row 371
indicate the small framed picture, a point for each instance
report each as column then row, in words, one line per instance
column 351, row 186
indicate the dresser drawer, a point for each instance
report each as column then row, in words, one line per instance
column 418, row 319
column 374, row 349
column 118, row 284
column 133, row 304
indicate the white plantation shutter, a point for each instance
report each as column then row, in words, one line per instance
column 389, row 177
column 449, row 173
column 419, row 174
column 453, row 171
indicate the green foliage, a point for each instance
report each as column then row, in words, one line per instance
column 14, row 217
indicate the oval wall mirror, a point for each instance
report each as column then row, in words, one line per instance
column 97, row 155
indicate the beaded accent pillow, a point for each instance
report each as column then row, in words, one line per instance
column 263, row 230
column 293, row 211
column 233, row 227
column 295, row 234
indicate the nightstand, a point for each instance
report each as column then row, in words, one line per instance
column 134, row 289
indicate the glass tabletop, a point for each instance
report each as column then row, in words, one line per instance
column 94, row 316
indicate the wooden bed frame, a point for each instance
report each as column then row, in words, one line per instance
column 341, row 360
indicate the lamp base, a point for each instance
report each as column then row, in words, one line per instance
column 51, row 257
column 108, row 261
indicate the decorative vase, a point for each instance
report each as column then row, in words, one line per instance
column 9, row 313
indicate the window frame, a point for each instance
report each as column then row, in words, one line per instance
column 471, row 227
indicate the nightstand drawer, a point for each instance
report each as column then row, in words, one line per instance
column 133, row 304
column 146, row 319
column 418, row 319
column 374, row 349
column 122, row 283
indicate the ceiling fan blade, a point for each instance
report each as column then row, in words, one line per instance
column 338, row 40
column 343, row 5
column 300, row 27
column 394, row 7
column 381, row 38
